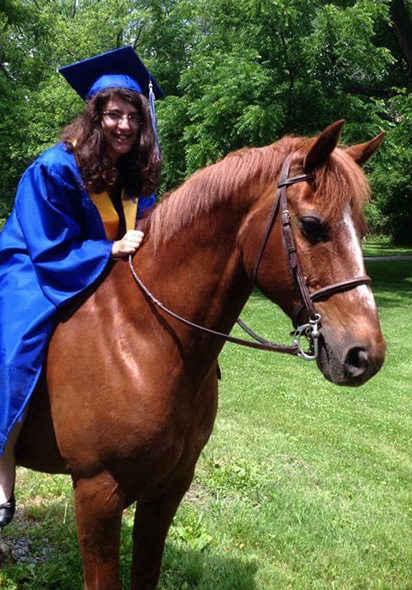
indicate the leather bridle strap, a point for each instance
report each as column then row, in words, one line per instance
column 268, row 231
column 262, row 344
column 287, row 236
column 289, row 246
column 295, row 272
column 326, row 292
column 280, row 197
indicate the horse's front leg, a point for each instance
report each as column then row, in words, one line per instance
column 99, row 506
column 153, row 518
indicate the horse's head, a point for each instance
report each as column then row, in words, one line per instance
column 327, row 225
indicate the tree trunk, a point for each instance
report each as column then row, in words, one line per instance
column 402, row 26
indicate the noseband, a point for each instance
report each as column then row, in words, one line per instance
column 311, row 330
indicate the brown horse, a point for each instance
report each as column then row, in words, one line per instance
column 131, row 392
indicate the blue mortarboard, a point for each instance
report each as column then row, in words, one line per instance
column 120, row 68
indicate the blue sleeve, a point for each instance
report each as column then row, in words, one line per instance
column 50, row 213
column 146, row 204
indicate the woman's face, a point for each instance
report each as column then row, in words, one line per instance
column 120, row 124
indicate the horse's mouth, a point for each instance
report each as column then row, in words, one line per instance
column 352, row 365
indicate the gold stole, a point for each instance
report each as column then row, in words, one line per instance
column 109, row 214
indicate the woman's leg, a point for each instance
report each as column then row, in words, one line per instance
column 8, row 465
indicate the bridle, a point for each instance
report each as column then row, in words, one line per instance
column 310, row 330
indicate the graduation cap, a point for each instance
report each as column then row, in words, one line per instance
column 120, row 68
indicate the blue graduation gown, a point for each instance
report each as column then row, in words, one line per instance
column 52, row 248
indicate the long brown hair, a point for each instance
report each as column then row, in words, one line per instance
column 138, row 171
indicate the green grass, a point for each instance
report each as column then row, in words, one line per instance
column 382, row 246
column 303, row 485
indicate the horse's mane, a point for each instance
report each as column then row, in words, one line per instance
column 338, row 182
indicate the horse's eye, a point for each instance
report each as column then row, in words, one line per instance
column 313, row 229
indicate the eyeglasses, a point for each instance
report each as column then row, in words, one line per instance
column 116, row 117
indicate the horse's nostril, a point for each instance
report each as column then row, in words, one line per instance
column 356, row 361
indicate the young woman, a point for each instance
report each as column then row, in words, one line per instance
column 76, row 211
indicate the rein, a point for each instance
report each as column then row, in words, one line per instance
column 311, row 331
column 261, row 344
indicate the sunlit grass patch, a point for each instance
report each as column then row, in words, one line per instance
column 383, row 246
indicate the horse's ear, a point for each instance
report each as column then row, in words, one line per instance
column 363, row 151
column 323, row 146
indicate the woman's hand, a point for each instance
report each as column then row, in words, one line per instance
column 129, row 243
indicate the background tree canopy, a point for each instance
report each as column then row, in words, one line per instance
column 234, row 74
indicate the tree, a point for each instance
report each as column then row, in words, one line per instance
column 20, row 69
column 234, row 74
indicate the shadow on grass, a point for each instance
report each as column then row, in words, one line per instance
column 391, row 281
column 187, row 567
column 43, row 553
column 53, row 562
column 197, row 570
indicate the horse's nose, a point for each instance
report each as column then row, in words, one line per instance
column 356, row 363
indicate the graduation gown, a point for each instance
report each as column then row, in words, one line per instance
column 53, row 247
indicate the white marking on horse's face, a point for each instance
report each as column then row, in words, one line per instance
column 355, row 252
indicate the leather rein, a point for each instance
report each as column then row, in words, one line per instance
column 311, row 331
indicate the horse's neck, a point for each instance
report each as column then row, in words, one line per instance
column 192, row 260
column 198, row 273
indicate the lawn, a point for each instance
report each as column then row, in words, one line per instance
column 303, row 485
column 382, row 246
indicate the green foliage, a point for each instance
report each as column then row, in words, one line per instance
column 234, row 74
column 392, row 177
column 191, row 532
